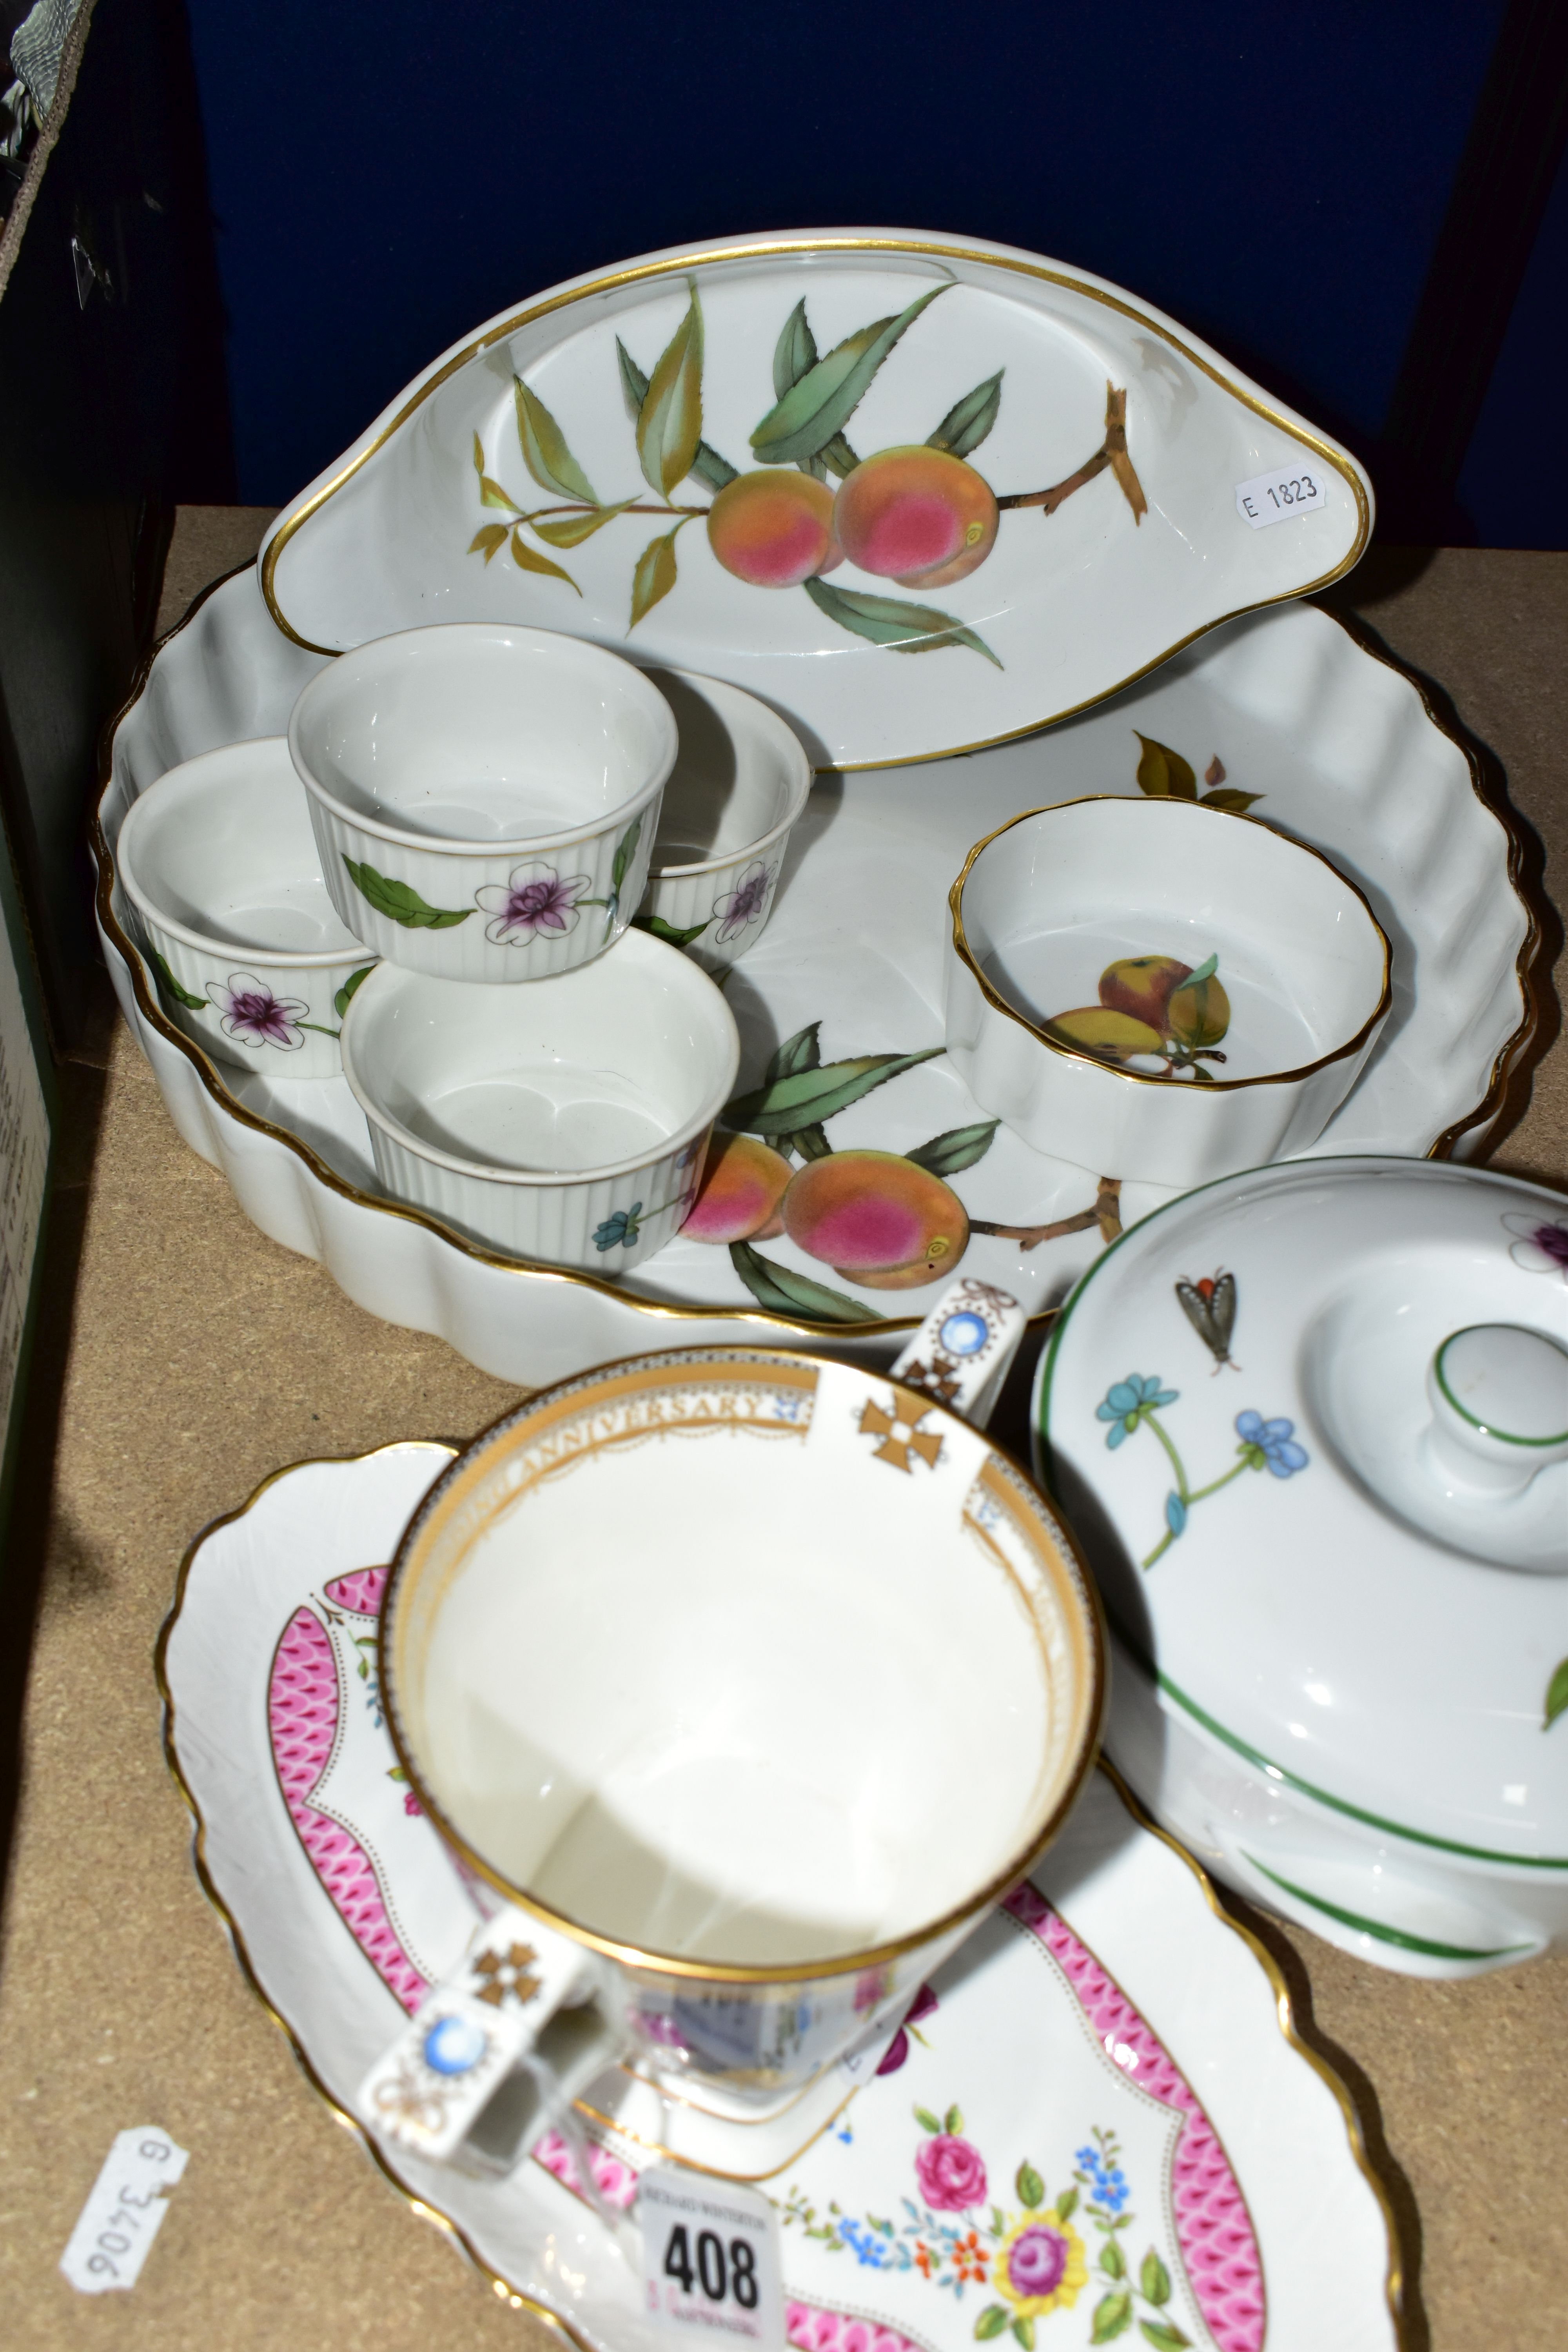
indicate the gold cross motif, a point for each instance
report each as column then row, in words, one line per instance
column 507, row 1976
column 937, row 1378
column 897, row 1447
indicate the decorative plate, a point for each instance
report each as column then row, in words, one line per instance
column 1084, row 2123
column 1048, row 488
column 1320, row 736
column 1232, row 1411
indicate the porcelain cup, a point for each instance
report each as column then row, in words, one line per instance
column 739, row 783
column 566, row 1123
column 249, row 953
column 485, row 798
column 750, row 1681
column 1158, row 990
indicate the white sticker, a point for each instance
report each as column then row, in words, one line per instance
column 124, row 2211
column 711, row 2256
column 1275, row 498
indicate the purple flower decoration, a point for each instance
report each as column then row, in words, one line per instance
column 1542, row 1243
column 746, row 903
column 252, row 1016
column 536, row 899
column 1035, row 2261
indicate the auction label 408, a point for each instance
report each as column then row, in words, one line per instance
column 711, row 2256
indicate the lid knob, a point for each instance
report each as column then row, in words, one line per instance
column 1498, row 1394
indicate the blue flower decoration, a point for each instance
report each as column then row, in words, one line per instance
column 1273, row 1443
column 619, row 1231
column 1127, row 1402
column 1175, row 1514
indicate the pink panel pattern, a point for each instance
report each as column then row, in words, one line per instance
column 808, row 2325
column 1213, row 2227
column 360, row 1591
column 302, row 1702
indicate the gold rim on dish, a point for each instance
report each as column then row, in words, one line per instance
column 1509, row 1068
column 1159, row 1077
column 806, row 248
column 1284, row 2009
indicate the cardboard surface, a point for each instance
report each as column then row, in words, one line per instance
column 202, row 1358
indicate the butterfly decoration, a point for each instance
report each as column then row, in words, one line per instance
column 1209, row 1306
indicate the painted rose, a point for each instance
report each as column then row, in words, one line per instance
column 252, row 1016
column 534, row 899
column 746, row 903
column 951, row 2173
column 898, row 2049
column 1041, row 2268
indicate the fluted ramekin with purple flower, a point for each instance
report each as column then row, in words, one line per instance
column 247, row 951
column 740, row 783
column 484, row 798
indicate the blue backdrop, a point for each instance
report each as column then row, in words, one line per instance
column 384, row 176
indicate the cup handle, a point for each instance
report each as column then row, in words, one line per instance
column 495, row 2054
column 962, row 1352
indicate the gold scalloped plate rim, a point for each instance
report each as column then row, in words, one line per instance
column 1284, row 2007
column 651, row 270
column 1509, row 1066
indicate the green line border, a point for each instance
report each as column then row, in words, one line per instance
column 1040, row 1443
column 1397, row 1936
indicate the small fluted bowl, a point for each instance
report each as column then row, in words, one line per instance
column 1160, row 991
column 250, row 956
column 484, row 798
column 566, row 1123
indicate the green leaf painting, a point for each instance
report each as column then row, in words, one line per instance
column 708, row 465
column 801, row 1052
column 172, row 988
column 544, row 450
column 969, row 420
column 890, row 621
column 784, row 1292
column 1112, row 2316
column 1164, row 774
column 573, row 529
column 625, row 850
column 958, row 1147
column 806, row 1097
column 1031, row 2189
column 401, row 904
column 528, row 559
column 657, row 928
column 1556, row 1696
column 991, row 2322
column 821, row 403
column 1154, row 2279
column 351, row 989
column 795, row 353
column 655, row 575
column 669, row 422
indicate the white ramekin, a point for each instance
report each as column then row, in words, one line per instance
column 740, row 782
column 484, row 798
column 1089, row 882
column 247, row 950
column 566, row 1123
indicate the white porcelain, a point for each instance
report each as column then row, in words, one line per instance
column 635, row 1730
column 1331, row 1677
column 558, row 465
column 1340, row 745
column 484, row 798
column 248, row 952
column 1052, row 2022
column 1245, row 1064
column 567, row 1122
column 740, row 781
column 585, row 1770
column 1498, row 1396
